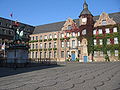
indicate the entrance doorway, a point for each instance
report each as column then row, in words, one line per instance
column 73, row 55
column 85, row 58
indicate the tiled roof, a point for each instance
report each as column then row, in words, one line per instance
column 58, row 26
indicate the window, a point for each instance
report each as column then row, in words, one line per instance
column 79, row 52
column 84, row 32
column 3, row 31
column 62, row 35
column 50, row 45
column 115, row 29
column 101, row 53
column 55, row 36
column 67, row 44
column 32, row 54
column 78, row 33
column 95, row 42
column 108, row 41
column 73, row 34
column 68, row 53
column 67, row 34
column 62, row 54
column 107, row 30
column 40, row 55
column 62, row 44
column 36, row 46
column 78, row 43
column 116, row 40
column 73, row 43
column 69, row 27
column 36, row 55
column 94, row 32
column 33, row 38
column 50, row 54
column 32, row 46
column 45, row 54
column 40, row 45
column 41, row 37
column 116, row 52
column 45, row 37
column 36, row 37
column 95, row 53
column 100, row 31
column 45, row 45
column 50, row 36
column 55, row 44
column 55, row 54
column 101, row 42
column 104, row 22
column 108, row 52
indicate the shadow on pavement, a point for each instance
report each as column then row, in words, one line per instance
column 4, row 71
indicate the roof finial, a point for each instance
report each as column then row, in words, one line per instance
column 85, row 5
column 84, row 1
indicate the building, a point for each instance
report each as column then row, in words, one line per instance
column 84, row 39
column 7, row 33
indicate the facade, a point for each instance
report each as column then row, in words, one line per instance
column 7, row 33
column 85, row 39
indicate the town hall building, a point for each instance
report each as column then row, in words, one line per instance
column 89, row 38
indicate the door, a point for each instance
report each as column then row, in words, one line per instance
column 85, row 58
column 73, row 56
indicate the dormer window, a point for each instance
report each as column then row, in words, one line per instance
column 69, row 27
column 104, row 22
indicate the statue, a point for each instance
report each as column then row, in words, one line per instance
column 19, row 35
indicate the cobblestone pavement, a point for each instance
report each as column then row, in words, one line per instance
column 72, row 76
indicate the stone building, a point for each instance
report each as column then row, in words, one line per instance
column 85, row 39
column 7, row 33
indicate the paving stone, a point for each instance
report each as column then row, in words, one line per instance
column 72, row 76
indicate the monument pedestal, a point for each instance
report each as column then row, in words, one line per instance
column 17, row 54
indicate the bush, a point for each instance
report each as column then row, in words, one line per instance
column 67, row 60
column 77, row 59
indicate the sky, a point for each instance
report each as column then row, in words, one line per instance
column 39, row 12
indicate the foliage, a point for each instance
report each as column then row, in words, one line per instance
column 33, row 41
column 67, row 60
column 33, row 50
column 54, row 39
column 40, row 40
column 45, row 49
column 40, row 49
column 54, row 48
column 49, row 39
column 49, row 48
column 77, row 59
column 106, row 47
column 62, row 39
column 45, row 40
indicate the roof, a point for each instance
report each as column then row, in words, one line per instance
column 58, row 26
column 85, row 11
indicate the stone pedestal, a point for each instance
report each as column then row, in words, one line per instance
column 17, row 54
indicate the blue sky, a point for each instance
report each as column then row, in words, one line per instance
column 38, row 12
